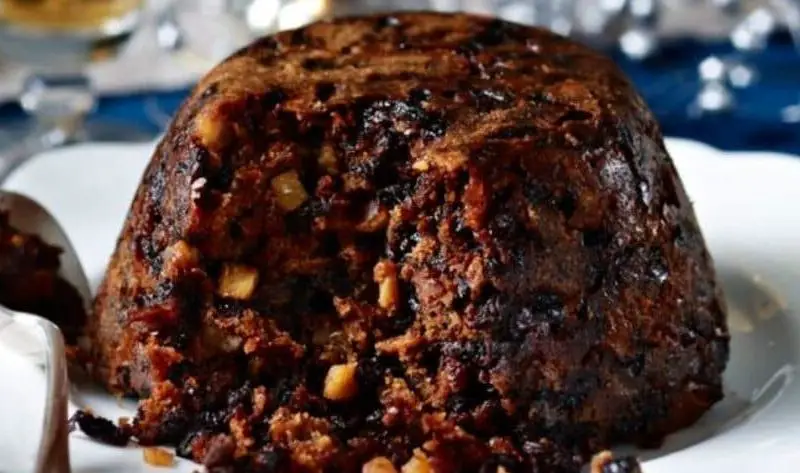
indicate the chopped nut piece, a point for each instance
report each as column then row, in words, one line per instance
column 379, row 465
column 179, row 257
column 237, row 281
column 158, row 457
column 340, row 383
column 387, row 298
column 385, row 274
column 421, row 166
column 212, row 130
column 418, row 463
column 289, row 190
column 327, row 159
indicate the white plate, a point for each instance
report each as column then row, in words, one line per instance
column 746, row 206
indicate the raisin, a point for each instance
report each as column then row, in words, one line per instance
column 184, row 448
column 468, row 351
column 210, row 91
column 324, row 91
column 419, row 94
column 273, row 98
column 433, row 127
column 318, row 64
column 173, row 426
column 386, row 22
column 229, row 308
column 497, row 32
column 177, row 371
column 567, row 205
column 235, row 230
column 179, row 340
column 223, row 178
column 491, row 99
column 370, row 371
column 284, row 391
column 658, row 269
column 241, row 396
column 573, row 116
column 549, row 305
column 271, row 460
column 458, row 404
column 595, row 238
column 374, row 418
column 462, row 294
column 395, row 194
column 99, row 428
column 220, row 452
column 299, row 38
column 213, row 421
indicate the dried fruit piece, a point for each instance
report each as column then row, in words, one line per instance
column 237, row 281
column 340, row 383
column 99, row 428
column 155, row 456
column 378, row 465
column 289, row 191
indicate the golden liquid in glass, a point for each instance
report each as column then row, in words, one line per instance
column 65, row 15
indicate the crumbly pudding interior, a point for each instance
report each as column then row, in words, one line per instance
column 29, row 280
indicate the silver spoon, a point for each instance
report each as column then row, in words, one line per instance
column 31, row 335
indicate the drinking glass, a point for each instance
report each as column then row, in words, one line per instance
column 54, row 41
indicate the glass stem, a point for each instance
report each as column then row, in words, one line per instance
column 58, row 102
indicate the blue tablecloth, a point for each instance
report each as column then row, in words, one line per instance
column 669, row 82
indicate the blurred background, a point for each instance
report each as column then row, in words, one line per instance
column 725, row 72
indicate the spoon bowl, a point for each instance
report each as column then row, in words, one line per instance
column 35, row 337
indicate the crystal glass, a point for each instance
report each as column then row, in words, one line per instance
column 54, row 41
column 204, row 30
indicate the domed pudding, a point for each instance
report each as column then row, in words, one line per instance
column 432, row 242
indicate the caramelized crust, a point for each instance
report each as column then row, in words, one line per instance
column 417, row 243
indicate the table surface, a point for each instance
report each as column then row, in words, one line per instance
column 669, row 83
